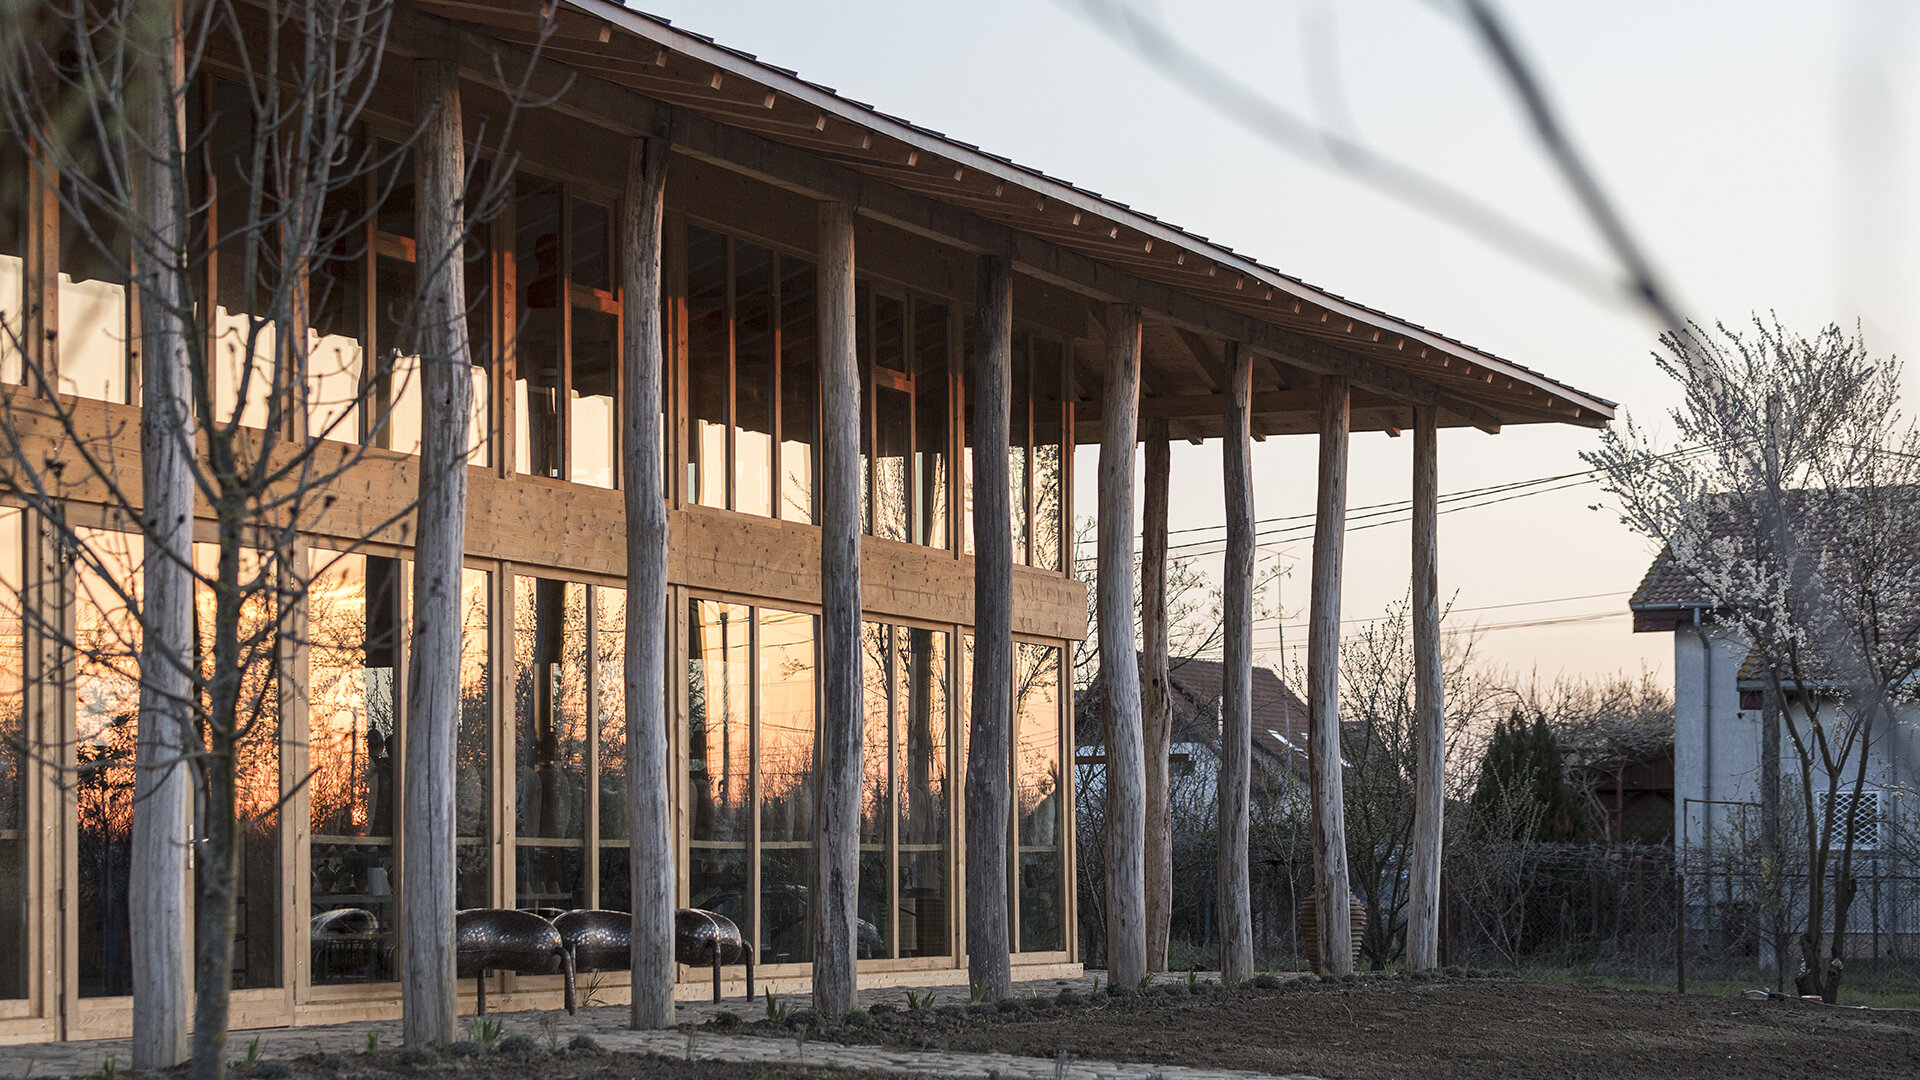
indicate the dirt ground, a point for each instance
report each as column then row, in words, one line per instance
column 537, row 1065
column 1444, row 1029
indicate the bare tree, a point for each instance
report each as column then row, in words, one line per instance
column 1795, row 519
column 246, row 408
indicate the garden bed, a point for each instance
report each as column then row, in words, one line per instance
column 1382, row 1028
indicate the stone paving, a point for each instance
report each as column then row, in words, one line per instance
column 607, row 1025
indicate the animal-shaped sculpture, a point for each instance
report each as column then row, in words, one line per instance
column 708, row 937
column 593, row 941
column 501, row 939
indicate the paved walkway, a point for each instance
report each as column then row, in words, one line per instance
column 607, row 1025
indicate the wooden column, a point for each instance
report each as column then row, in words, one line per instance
column 989, row 754
column 1323, row 682
column 1429, row 705
column 427, row 1000
column 836, row 838
column 1156, row 705
column 1119, row 663
column 1231, row 880
column 649, row 791
column 163, row 782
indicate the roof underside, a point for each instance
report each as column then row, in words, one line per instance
column 1314, row 331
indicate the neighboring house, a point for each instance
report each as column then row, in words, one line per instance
column 1279, row 731
column 1715, row 785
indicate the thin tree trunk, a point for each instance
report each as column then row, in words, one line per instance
column 218, row 871
column 1323, row 684
column 649, row 799
column 836, row 841
column 1232, row 882
column 1429, row 706
column 162, row 777
column 1126, row 773
column 989, row 762
column 1779, row 935
column 1156, row 703
column 427, row 999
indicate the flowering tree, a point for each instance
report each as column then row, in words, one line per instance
column 1792, row 506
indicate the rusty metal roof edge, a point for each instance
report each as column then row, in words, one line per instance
column 663, row 34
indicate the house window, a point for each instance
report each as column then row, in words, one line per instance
column 14, row 761
column 1864, row 810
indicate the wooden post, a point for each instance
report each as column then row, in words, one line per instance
column 1429, row 706
column 836, row 841
column 989, row 753
column 1156, row 704
column 162, row 780
column 649, row 792
column 428, row 1002
column 1323, row 684
column 1126, row 772
column 1232, row 882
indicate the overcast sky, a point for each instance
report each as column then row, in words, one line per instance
column 1764, row 152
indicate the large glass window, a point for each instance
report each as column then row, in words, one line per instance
column 106, row 713
column 903, row 348
column 95, row 273
column 931, row 407
column 799, row 389
column 473, row 787
column 245, row 337
column 1037, row 795
column 15, row 168
column 787, row 734
column 610, row 702
column 15, row 827
column 720, row 755
column 874, row 931
column 568, row 345
column 920, row 752
column 553, row 738
column 355, row 624
column 1047, row 459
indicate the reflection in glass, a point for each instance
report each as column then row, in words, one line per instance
column 14, row 168
column 875, row 935
column 473, row 784
column 709, row 346
column 1017, row 437
column 550, row 710
column 610, row 704
column 1048, row 478
column 799, row 389
column 354, row 625
column 106, row 712
column 920, row 678
column 336, row 338
column 538, row 346
column 930, row 424
column 256, row 939
column 1037, row 794
column 393, row 419
column 720, row 756
column 786, row 748
column 590, row 425
column 753, row 379
column 14, row 760
column 893, row 418
column 94, row 344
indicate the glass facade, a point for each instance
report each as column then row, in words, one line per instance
column 15, row 760
column 106, row 699
column 1037, row 451
column 552, row 740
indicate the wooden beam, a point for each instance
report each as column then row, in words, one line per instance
column 836, row 841
column 1156, row 702
column 1119, row 664
column 649, row 793
column 1232, row 883
column 1331, row 890
column 989, row 752
column 1429, row 707
column 429, row 1004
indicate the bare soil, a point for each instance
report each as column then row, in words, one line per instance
column 536, row 1065
column 1444, row 1029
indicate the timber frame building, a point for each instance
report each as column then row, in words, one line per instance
column 1096, row 287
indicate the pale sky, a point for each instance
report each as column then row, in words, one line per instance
column 1764, row 153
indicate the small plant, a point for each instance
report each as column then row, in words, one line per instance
column 373, row 1041
column 550, row 1031
column 487, row 1032
column 1193, row 977
column 253, row 1053
column 1146, row 980
column 921, row 1002
column 110, row 1067
column 777, row 1010
column 979, row 992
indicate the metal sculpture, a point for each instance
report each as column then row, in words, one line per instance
column 708, row 937
column 501, row 939
column 593, row 941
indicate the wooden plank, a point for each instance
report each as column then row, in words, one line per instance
column 989, row 752
column 1429, row 707
column 1126, row 778
column 649, row 788
column 1231, row 880
column 1156, row 702
column 1323, row 683
column 837, row 820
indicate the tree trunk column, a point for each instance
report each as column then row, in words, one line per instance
column 989, row 764
column 1156, row 704
column 1429, row 705
column 427, row 999
column 1119, row 663
column 1323, row 683
column 837, row 823
column 1236, row 677
column 649, row 802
